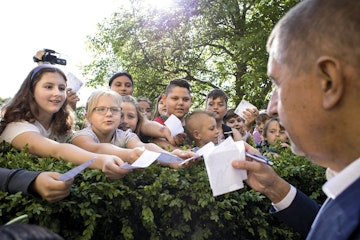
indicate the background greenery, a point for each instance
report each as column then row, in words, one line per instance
column 211, row 43
column 155, row 203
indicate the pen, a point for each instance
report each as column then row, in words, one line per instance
column 259, row 158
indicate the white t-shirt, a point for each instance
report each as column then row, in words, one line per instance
column 14, row 129
column 120, row 138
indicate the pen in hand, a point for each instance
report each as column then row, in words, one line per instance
column 259, row 158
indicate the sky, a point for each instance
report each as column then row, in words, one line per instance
column 61, row 25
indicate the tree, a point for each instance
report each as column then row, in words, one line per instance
column 211, row 43
column 3, row 101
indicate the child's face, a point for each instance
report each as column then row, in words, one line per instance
column 122, row 85
column 274, row 133
column 178, row 102
column 161, row 107
column 145, row 108
column 129, row 116
column 104, row 123
column 49, row 93
column 260, row 127
column 218, row 106
column 208, row 131
column 236, row 122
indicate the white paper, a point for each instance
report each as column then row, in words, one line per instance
column 174, row 124
column 243, row 105
column 73, row 82
column 75, row 171
column 223, row 177
column 145, row 159
column 206, row 149
column 189, row 159
column 169, row 158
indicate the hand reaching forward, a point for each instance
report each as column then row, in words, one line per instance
column 111, row 166
column 49, row 188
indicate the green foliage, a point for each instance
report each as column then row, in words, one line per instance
column 80, row 117
column 212, row 44
column 3, row 101
column 156, row 203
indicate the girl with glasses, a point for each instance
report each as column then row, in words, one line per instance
column 103, row 114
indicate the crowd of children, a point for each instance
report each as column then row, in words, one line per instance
column 119, row 126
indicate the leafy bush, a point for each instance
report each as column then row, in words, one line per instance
column 156, row 203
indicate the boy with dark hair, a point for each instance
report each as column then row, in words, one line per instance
column 178, row 100
column 216, row 102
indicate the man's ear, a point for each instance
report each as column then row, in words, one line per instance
column 332, row 80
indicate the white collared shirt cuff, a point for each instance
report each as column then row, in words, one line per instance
column 286, row 201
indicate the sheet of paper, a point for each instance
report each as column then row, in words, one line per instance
column 73, row 82
column 174, row 124
column 189, row 159
column 169, row 158
column 223, row 177
column 145, row 160
column 206, row 149
column 243, row 105
column 75, row 171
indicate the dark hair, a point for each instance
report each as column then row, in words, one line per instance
column 217, row 93
column 230, row 114
column 262, row 118
column 21, row 231
column 119, row 74
column 177, row 83
column 305, row 33
column 23, row 106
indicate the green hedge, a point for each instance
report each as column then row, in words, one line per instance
column 156, row 203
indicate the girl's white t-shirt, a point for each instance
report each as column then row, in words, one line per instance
column 14, row 129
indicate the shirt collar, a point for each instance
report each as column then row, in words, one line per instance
column 338, row 182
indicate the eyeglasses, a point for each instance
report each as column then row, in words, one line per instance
column 103, row 110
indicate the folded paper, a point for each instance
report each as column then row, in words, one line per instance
column 223, row 177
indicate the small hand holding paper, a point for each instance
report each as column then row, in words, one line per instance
column 242, row 107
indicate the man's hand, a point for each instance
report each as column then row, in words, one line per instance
column 262, row 178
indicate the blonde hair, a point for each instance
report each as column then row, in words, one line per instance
column 194, row 122
column 96, row 95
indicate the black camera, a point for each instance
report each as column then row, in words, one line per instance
column 50, row 56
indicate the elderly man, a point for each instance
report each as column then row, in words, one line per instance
column 314, row 61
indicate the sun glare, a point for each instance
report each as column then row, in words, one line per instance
column 159, row 4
